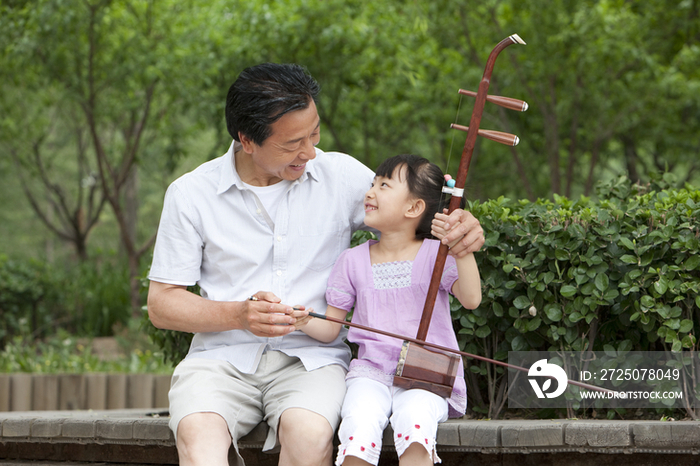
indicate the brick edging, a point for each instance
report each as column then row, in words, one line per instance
column 142, row 428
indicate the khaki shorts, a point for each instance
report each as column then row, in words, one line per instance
column 244, row 400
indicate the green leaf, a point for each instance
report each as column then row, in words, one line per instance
column 602, row 281
column 521, row 302
column 677, row 346
column 519, row 344
column 553, row 313
column 661, row 285
column 561, row 254
column 610, row 350
column 692, row 262
column 483, row 332
column 629, row 259
column 671, row 336
column 567, row 291
column 497, row 310
column 548, row 277
column 534, row 324
column 686, row 326
column 664, row 311
column 625, row 345
column 627, row 243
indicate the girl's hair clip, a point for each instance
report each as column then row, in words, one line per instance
column 450, row 188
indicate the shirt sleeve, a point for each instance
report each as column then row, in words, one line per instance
column 177, row 255
column 449, row 274
column 341, row 292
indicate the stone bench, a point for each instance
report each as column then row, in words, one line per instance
column 138, row 436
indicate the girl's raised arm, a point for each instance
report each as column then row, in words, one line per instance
column 467, row 289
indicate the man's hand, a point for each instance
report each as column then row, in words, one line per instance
column 264, row 315
column 460, row 230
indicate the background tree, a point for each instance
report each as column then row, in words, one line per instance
column 68, row 201
column 111, row 70
column 118, row 92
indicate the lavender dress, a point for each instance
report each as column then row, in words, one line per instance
column 391, row 296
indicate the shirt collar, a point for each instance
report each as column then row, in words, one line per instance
column 229, row 176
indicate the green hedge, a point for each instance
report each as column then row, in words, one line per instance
column 621, row 272
column 27, row 298
column 37, row 298
column 618, row 273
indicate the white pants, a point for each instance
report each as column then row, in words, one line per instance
column 370, row 405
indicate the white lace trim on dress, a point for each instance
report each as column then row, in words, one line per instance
column 389, row 275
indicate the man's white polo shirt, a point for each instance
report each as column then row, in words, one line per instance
column 215, row 232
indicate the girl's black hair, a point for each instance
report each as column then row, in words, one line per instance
column 425, row 181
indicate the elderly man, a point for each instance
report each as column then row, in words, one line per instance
column 258, row 230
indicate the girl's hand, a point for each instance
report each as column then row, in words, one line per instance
column 460, row 230
column 301, row 316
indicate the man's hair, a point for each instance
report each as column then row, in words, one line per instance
column 262, row 94
column 425, row 181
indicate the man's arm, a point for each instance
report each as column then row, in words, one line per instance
column 173, row 307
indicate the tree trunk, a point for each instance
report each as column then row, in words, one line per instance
column 131, row 203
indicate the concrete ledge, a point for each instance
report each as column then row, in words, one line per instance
column 143, row 436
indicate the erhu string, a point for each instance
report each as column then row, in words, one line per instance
column 452, row 141
column 443, row 196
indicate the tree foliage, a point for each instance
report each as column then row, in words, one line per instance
column 100, row 95
column 110, row 76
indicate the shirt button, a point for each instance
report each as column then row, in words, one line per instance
column 258, row 211
column 279, row 238
column 279, row 273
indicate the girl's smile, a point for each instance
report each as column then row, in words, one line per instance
column 387, row 201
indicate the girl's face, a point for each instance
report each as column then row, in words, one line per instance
column 387, row 201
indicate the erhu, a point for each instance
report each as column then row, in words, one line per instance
column 418, row 367
column 423, row 364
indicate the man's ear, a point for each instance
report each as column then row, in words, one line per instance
column 247, row 143
column 416, row 209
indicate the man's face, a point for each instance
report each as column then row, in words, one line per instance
column 284, row 154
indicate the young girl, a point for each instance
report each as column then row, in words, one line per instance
column 386, row 282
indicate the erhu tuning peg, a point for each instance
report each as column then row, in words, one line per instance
column 507, row 102
column 498, row 136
